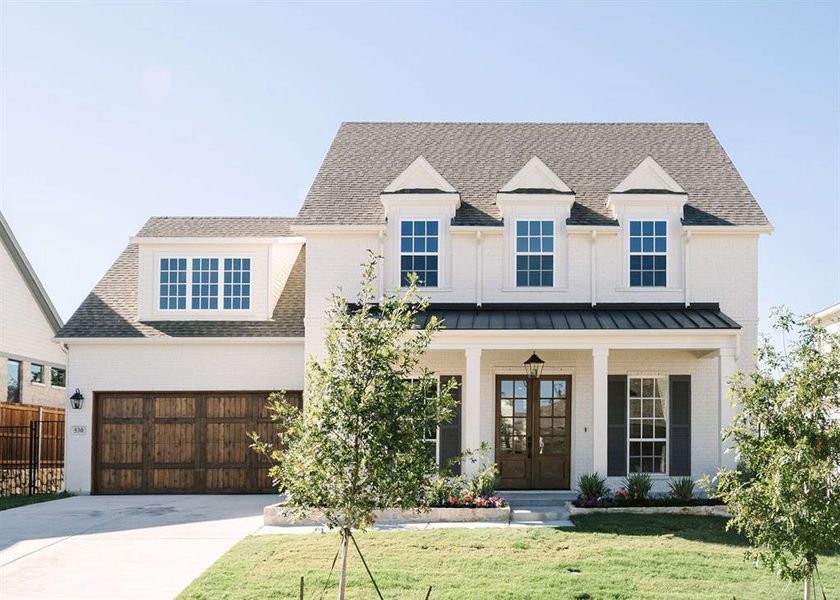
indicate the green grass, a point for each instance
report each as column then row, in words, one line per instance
column 7, row 502
column 606, row 556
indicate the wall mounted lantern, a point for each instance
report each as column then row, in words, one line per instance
column 534, row 366
column 77, row 399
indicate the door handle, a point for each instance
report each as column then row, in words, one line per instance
column 529, row 442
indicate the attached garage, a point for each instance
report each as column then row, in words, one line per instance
column 177, row 442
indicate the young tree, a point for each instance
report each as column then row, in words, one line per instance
column 785, row 493
column 358, row 446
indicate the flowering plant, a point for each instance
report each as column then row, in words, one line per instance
column 469, row 501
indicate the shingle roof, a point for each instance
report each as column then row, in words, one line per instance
column 561, row 316
column 479, row 158
column 216, row 227
column 110, row 310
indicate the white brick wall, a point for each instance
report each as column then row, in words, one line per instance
column 139, row 366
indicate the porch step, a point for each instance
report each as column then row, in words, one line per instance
column 539, row 514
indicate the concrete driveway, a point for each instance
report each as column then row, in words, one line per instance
column 119, row 546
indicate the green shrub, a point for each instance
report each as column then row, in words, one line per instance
column 486, row 478
column 592, row 485
column 681, row 488
column 638, row 486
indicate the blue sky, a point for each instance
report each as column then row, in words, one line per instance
column 115, row 112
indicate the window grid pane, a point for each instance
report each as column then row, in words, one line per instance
column 419, row 246
column 237, row 286
column 173, row 284
column 205, row 284
column 36, row 373
column 648, row 253
column 647, row 425
column 430, row 431
column 58, row 377
column 534, row 253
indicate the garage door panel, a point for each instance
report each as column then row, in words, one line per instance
column 226, row 479
column 174, row 407
column 123, row 407
column 229, row 407
column 181, row 442
column 174, row 442
column 121, row 443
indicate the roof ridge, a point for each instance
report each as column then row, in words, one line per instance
column 525, row 123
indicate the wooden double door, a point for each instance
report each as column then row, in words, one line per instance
column 533, row 431
column 181, row 442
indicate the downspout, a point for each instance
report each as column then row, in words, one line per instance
column 685, row 268
column 381, row 269
column 593, row 267
column 478, row 268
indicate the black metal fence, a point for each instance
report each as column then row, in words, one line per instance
column 32, row 458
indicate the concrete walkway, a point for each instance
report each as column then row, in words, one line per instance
column 119, row 547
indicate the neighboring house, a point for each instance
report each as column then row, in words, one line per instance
column 624, row 255
column 829, row 319
column 32, row 366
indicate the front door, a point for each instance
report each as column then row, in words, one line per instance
column 533, row 431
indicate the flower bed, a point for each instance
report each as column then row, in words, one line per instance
column 686, row 509
column 617, row 501
column 470, row 501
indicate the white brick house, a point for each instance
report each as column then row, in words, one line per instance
column 624, row 255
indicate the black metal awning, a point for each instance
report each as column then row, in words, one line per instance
column 560, row 316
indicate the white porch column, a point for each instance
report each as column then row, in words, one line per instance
column 600, row 368
column 471, row 404
column 726, row 369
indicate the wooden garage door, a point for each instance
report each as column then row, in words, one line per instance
column 149, row 443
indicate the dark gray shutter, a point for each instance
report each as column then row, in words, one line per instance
column 616, row 425
column 450, row 433
column 679, row 426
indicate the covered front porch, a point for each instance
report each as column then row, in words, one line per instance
column 607, row 400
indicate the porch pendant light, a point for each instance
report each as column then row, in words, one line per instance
column 534, row 366
column 76, row 400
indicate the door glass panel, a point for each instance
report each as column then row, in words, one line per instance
column 507, row 389
column 520, row 388
column 506, row 407
column 521, row 407
column 545, row 389
column 545, row 407
column 560, row 389
column 519, row 427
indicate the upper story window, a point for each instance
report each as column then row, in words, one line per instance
column 534, row 253
column 36, row 373
column 205, row 284
column 648, row 430
column 648, row 253
column 13, row 372
column 58, row 377
column 173, row 284
column 419, row 245
column 237, row 284
column 205, row 292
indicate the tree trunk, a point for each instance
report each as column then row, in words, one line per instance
column 807, row 595
column 342, row 574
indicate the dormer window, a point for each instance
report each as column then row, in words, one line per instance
column 648, row 253
column 203, row 274
column 419, row 246
column 173, row 284
column 534, row 253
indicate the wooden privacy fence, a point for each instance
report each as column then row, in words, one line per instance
column 31, row 450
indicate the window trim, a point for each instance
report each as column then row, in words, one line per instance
column 665, row 409
column 53, row 370
column 630, row 253
column 189, row 272
column 32, row 374
column 552, row 254
column 436, row 254
column 436, row 439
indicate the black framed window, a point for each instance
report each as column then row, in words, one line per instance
column 36, row 373
column 13, row 371
column 58, row 377
column 648, row 253
column 534, row 253
column 419, row 252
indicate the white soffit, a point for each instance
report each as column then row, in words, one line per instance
column 536, row 175
column 649, row 177
column 419, row 175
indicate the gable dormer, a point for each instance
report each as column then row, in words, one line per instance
column 648, row 205
column 419, row 206
column 536, row 178
column 534, row 206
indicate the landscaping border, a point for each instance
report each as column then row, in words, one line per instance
column 275, row 515
column 718, row 510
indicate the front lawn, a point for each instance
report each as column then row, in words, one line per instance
column 7, row 502
column 606, row 556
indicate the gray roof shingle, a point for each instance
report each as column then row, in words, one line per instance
column 110, row 310
column 479, row 158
